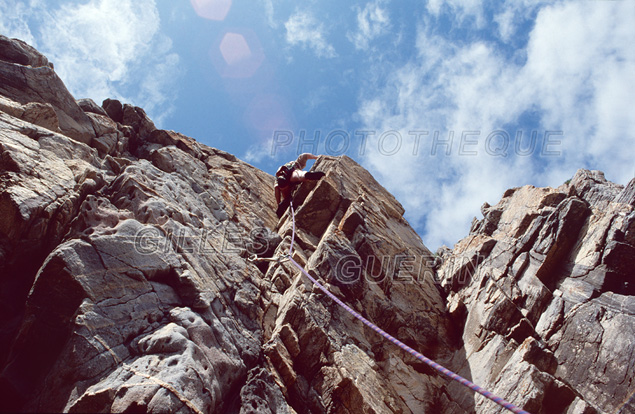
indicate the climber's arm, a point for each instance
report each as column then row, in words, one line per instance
column 303, row 158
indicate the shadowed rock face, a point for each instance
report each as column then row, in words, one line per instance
column 125, row 283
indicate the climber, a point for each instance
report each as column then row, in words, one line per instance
column 288, row 176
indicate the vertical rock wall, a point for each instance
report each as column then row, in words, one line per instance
column 543, row 286
column 126, row 284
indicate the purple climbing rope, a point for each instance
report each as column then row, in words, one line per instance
column 396, row 341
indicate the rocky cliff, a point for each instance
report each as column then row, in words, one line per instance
column 126, row 282
column 543, row 290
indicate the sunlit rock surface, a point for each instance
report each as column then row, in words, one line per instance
column 126, row 284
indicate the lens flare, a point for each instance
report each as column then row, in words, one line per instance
column 268, row 112
column 212, row 9
column 234, row 49
column 238, row 55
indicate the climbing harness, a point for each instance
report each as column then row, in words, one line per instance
column 397, row 342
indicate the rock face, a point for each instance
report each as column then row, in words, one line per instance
column 126, row 283
column 543, row 287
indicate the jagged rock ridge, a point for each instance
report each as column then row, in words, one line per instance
column 544, row 287
column 126, row 285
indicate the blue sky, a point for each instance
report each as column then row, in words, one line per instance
column 448, row 103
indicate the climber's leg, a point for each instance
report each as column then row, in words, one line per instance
column 314, row 175
column 301, row 176
column 298, row 176
column 282, row 207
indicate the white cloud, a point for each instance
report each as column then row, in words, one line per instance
column 506, row 23
column 269, row 13
column 304, row 30
column 578, row 78
column 16, row 23
column 257, row 153
column 315, row 98
column 108, row 49
column 510, row 14
column 582, row 63
column 372, row 22
column 461, row 10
